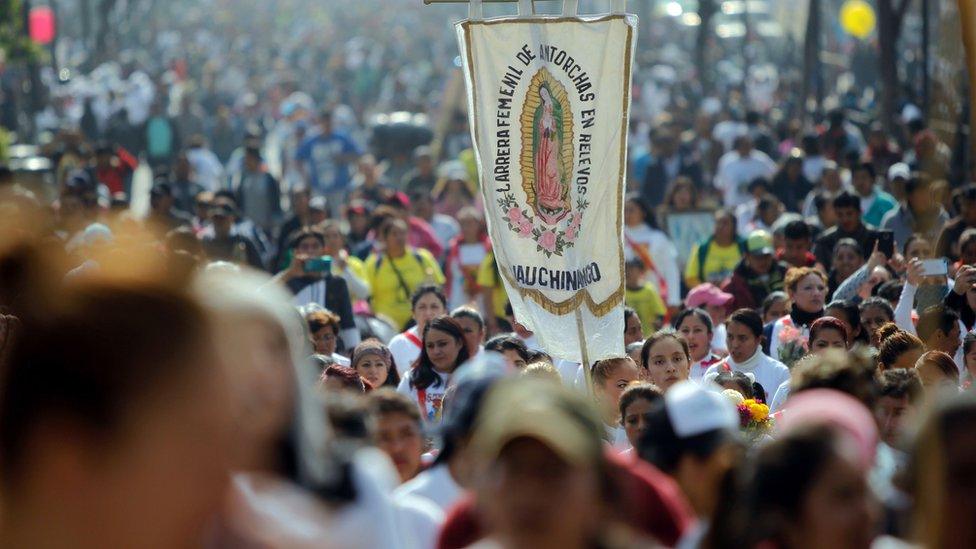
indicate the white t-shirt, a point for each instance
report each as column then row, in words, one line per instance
column 768, row 372
column 404, row 350
column 429, row 400
column 435, row 484
column 734, row 174
column 469, row 256
column 419, row 521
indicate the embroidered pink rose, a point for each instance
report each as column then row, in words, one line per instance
column 515, row 216
column 574, row 222
column 548, row 241
column 570, row 235
column 525, row 228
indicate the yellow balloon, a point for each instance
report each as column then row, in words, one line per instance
column 857, row 18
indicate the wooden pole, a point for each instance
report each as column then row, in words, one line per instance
column 584, row 355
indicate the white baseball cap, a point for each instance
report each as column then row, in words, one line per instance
column 694, row 410
column 899, row 170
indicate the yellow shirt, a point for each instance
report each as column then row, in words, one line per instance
column 488, row 277
column 390, row 298
column 649, row 306
column 720, row 261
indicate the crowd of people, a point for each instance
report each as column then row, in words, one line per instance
column 306, row 340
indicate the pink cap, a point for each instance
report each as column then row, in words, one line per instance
column 707, row 294
column 835, row 409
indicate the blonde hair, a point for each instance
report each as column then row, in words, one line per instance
column 796, row 274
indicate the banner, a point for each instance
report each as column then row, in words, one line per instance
column 549, row 99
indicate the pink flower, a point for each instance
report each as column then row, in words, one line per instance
column 548, row 241
column 571, row 233
column 788, row 333
column 525, row 228
column 515, row 216
column 574, row 222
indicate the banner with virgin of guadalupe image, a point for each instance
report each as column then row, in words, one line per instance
column 548, row 101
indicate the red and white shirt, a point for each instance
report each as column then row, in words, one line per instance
column 405, row 348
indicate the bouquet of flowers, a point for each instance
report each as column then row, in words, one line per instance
column 792, row 345
column 754, row 418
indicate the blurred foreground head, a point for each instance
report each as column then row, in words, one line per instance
column 114, row 418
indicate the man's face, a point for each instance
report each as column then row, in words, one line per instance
column 948, row 343
column 222, row 223
column 848, row 219
column 795, row 251
column 892, row 414
column 863, row 182
column 760, row 263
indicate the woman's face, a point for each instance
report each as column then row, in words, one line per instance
column 919, row 248
column 810, row 293
column 838, row 512
column 633, row 331
column 514, row 359
column 333, row 241
column 373, row 369
column 873, row 318
column 428, row 307
column 933, row 380
column 970, row 360
column 396, row 238
column 828, row 338
column 633, row 215
column 471, row 229
column 724, row 228
column 776, row 311
column 742, row 343
column 400, row 437
column 608, row 392
column 907, row 359
column 633, row 420
column 846, row 261
column 309, row 247
column 474, row 334
column 682, row 198
column 667, row 363
column 517, row 491
column 325, row 340
column 442, row 349
column 698, row 337
column 967, row 254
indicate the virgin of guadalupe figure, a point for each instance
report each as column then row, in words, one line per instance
column 549, row 187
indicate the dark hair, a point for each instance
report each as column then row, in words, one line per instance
column 879, row 303
column 94, row 355
column 322, row 318
column 661, row 446
column 915, row 237
column 771, row 300
column 628, row 313
column 388, row 401
column 847, row 199
column 853, row 320
column 635, row 392
column 659, row 336
column 782, row 474
column 305, row 232
column 745, row 385
column 350, row 378
column 968, row 341
column 890, row 291
column 936, row 318
column 635, row 198
column 849, row 373
column 847, row 242
column 900, row 383
column 507, row 342
column 865, row 167
column 469, row 313
column 915, row 183
column 830, row 323
column 423, row 375
column 695, row 311
column 425, row 289
column 797, row 230
column 750, row 319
